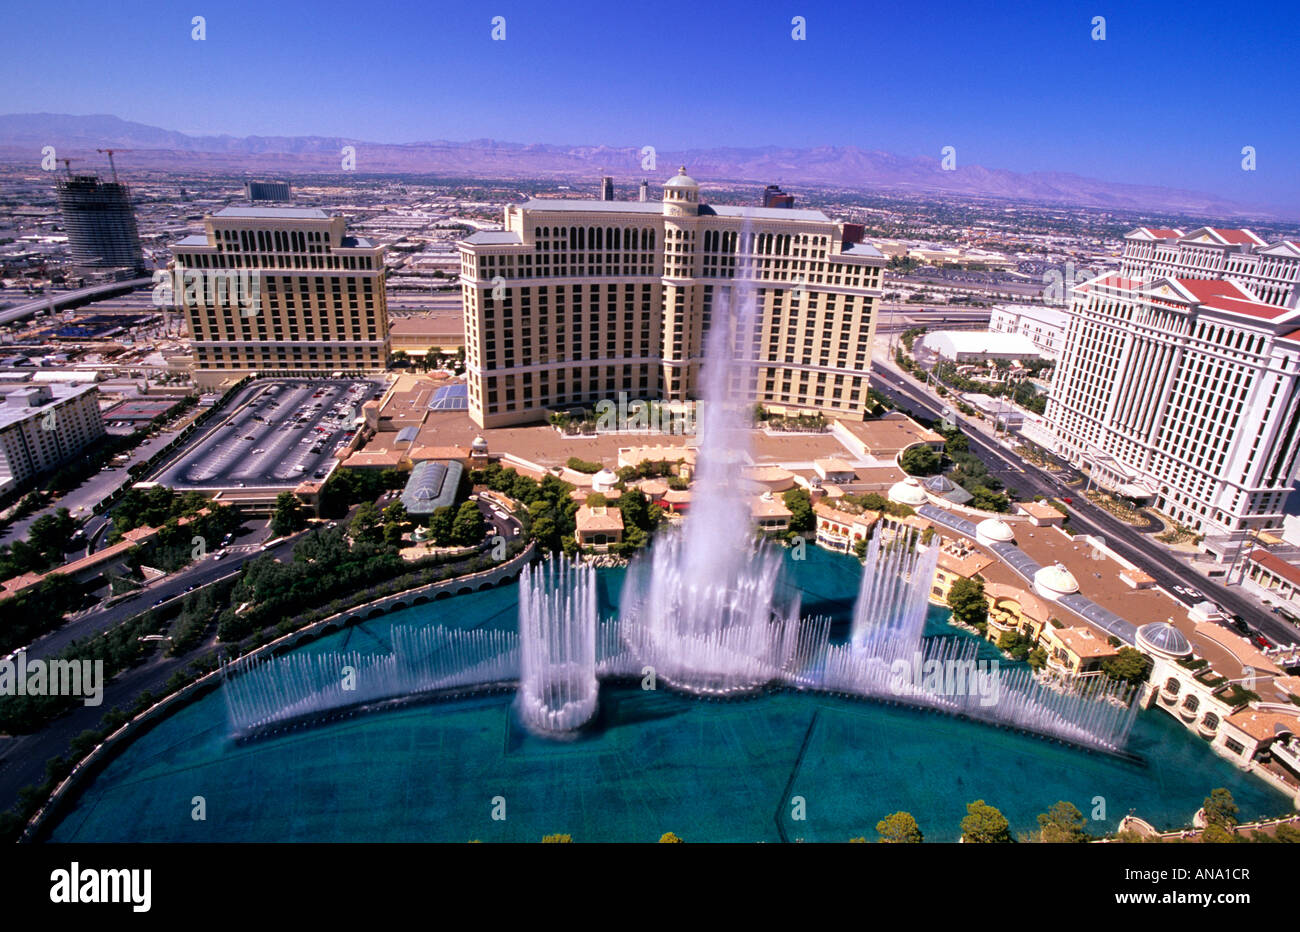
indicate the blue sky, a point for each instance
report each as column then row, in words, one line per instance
column 1170, row 97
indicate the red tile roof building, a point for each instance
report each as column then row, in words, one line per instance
column 1178, row 382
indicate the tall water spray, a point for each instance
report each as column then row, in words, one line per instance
column 557, row 641
column 703, row 609
column 893, row 597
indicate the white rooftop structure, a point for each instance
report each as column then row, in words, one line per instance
column 980, row 345
column 1053, row 582
column 994, row 531
column 908, row 492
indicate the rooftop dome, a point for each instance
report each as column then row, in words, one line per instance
column 939, row 484
column 907, row 492
column 994, row 531
column 1054, row 581
column 681, row 180
column 479, row 445
column 1163, row 639
column 605, row 479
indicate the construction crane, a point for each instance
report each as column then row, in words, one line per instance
column 67, row 165
column 110, row 160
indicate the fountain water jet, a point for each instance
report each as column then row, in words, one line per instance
column 557, row 638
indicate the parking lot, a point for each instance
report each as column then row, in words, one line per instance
column 282, row 433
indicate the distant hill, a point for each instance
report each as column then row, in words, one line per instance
column 23, row 134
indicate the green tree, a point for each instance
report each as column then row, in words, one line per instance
column 289, row 515
column 920, row 461
column 984, row 824
column 440, row 525
column 1215, row 834
column 365, row 527
column 966, row 599
column 1063, row 823
column 51, row 535
column 955, row 442
column 799, row 502
column 900, row 827
column 1129, row 665
column 1287, row 833
column 1220, row 808
column 636, row 509
column 468, row 527
column 396, row 513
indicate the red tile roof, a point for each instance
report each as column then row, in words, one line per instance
column 1113, row 281
column 1276, row 564
column 1251, row 308
column 1203, row 289
column 1240, row 237
column 1221, row 295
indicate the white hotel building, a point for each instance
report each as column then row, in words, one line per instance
column 1178, row 384
column 44, row 426
column 577, row 301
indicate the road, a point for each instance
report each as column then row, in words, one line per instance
column 895, row 318
column 1085, row 517
column 81, row 501
column 174, row 586
column 75, row 298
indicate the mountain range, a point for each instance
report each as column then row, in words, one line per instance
column 23, row 135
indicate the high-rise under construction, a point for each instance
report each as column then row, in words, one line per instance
column 100, row 223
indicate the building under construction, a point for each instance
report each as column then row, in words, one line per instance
column 100, row 223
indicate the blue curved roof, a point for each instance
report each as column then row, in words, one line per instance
column 432, row 485
column 1164, row 636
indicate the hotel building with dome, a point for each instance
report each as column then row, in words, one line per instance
column 576, row 301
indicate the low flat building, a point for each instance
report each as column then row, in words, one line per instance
column 1040, row 514
column 1076, row 652
column 834, row 469
column 770, row 514
column 841, row 530
column 958, row 559
column 599, row 526
column 980, row 346
column 1272, row 579
column 1014, row 610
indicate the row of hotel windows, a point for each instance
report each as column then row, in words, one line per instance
column 247, row 352
column 611, row 264
column 204, row 260
column 518, row 391
column 273, row 240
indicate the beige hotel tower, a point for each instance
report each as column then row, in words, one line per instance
column 576, row 301
column 320, row 303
